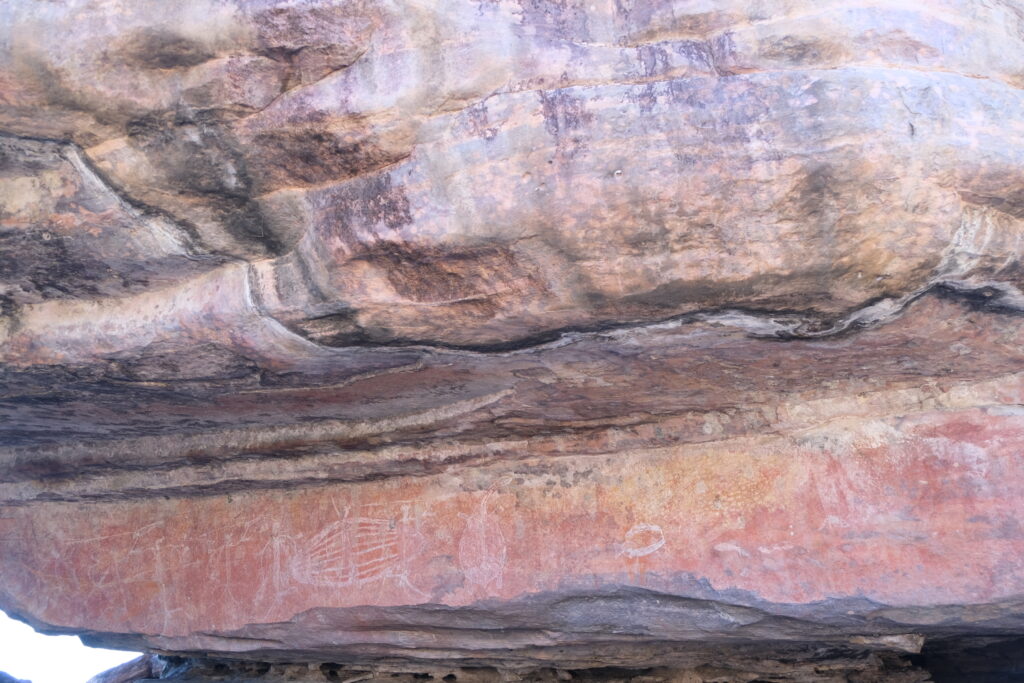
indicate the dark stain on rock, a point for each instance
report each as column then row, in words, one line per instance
column 365, row 202
column 157, row 48
column 309, row 156
column 645, row 97
column 563, row 112
column 19, row 156
column 649, row 22
column 802, row 50
column 896, row 45
column 815, row 192
column 565, row 117
column 988, row 299
column 195, row 153
column 8, row 307
column 199, row 159
column 53, row 84
column 557, row 19
column 764, row 293
column 1011, row 203
column 314, row 40
column 723, row 54
column 45, row 265
column 438, row 275
column 697, row 52
column 653, row 60
column 470, row 283
column 336, row 329
column 244, row 220
column 177, row 362
column 477, row 122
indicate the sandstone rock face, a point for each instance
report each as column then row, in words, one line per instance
column 523, row 335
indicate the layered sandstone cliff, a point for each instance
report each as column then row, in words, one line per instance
column 522, row 336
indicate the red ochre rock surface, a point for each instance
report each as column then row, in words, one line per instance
column 661, row 340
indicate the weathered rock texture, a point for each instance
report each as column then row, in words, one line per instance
column 515, row 335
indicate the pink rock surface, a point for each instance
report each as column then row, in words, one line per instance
column 915, row 511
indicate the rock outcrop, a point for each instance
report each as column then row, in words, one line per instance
column 573, row 339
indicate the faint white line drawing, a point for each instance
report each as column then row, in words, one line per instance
column 358, row 550
column 482, row 548
column 731, row 548
column 643, row 539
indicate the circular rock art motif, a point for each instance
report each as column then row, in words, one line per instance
column 643, row 539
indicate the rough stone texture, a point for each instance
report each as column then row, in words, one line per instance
column 677, row 340
column 138, row 669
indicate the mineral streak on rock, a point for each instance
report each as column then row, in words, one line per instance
column 378, row 336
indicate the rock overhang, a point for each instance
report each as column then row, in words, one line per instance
column 494, row 333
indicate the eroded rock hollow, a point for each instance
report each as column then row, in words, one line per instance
column 576, row 339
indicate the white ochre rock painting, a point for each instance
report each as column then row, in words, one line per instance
column 354, row 551
column 643, row 539
column 482, row 548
